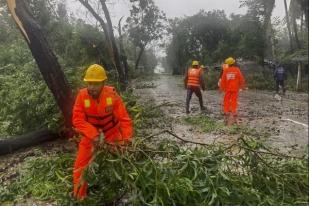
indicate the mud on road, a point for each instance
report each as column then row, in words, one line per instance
column 285, row 121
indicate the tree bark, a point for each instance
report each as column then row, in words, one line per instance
column 113, row 44
column 108, row 31
column 268, row 7
column 123, row 55
column 288, row 24
column 102, row 23
column 11, row 144
column 302, row 23
column 295, row 31
column 305, row 8
column 44, row 57
column 139, row 57
column 298, row 81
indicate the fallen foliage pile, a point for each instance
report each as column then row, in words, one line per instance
column 168, row 174
column 160, row 170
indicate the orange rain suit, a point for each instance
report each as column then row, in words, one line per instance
column 90, row 116
column 232, row 80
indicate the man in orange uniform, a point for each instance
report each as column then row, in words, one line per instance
column 193, row 82
column 231, row 82
column 98, row 108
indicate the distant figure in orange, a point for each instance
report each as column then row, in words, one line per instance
column 232, row 81
column 98, row 112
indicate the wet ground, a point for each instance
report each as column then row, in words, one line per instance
column 285, row 121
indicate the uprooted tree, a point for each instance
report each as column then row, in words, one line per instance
column 50, row 70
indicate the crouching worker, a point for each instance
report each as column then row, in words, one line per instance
column 97, row 109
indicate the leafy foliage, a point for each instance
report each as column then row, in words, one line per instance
column 145, row 22
column 45, row 178
column 166, row 174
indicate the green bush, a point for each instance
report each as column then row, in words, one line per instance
column 27, row 103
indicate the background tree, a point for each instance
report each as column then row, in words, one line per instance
column 145, row 24
column 262, row 9
column 110, row 37
column 288, row 25
column 210, row 37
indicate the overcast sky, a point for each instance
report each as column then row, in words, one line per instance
column 178, row 8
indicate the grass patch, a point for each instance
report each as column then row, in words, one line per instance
column 205, row 123
column 209, row 125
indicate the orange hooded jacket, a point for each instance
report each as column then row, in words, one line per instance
column 232, row 79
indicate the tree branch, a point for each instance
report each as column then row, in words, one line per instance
column 101, row 21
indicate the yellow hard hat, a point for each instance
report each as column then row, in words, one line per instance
column 195, row 63
column 95, row 73
column 203, row 66
column 230, row 61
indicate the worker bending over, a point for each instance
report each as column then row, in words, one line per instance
column 98, row 111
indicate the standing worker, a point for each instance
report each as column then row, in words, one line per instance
column 231, row 82
column 98, row 111
column 194, row 81
column 280, row 76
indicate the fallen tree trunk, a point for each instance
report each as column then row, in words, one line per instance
column 44, row 57
column 12, row 144
column 51, row 72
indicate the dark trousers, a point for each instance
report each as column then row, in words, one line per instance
column 197, row 92
column 280, row 83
